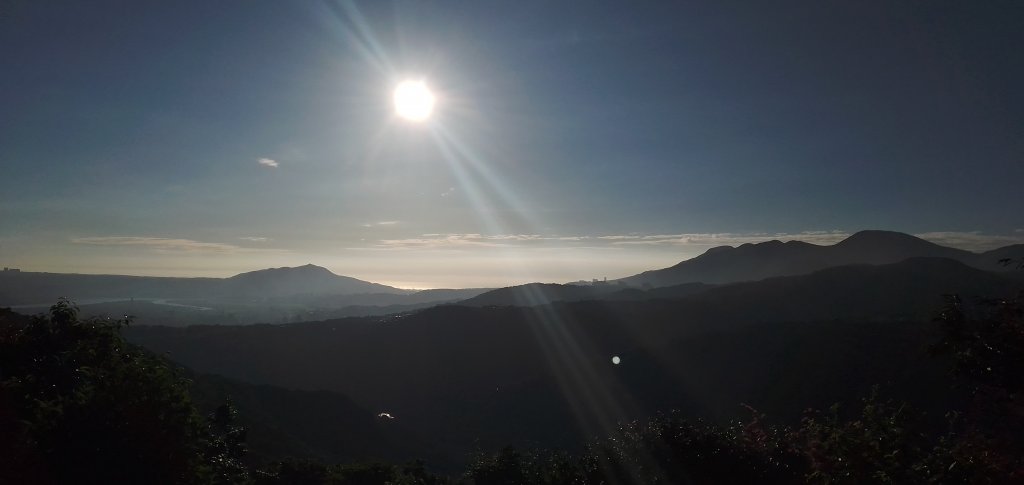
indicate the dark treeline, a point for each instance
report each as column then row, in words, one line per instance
column 79, row 404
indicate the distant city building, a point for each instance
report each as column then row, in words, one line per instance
column 597, row 282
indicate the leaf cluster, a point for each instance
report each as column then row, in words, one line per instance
column 78, row 404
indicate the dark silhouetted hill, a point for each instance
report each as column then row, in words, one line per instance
column 300, row 280
column 540, row 294
column 752, row 262
column 30, row 288
column 535, row 294
column 309, row 281
column 994, row 259
column 431, row 297
column 908, row 290
column 881, row 247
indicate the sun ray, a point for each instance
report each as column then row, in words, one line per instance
column 475, row 196
column 483, row 171
column 357, row 33
column 596, row 407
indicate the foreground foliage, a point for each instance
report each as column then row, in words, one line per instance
column 80, row 405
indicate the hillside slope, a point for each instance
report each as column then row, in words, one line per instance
column 752, row 262
column 486, row 377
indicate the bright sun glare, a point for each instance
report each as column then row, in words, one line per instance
column 413, row 101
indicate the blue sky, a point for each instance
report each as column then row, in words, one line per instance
column 570, row 140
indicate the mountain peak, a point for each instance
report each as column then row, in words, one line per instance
column 305, row 279
column 306, row 269
column 875, row 236
column 719, row 249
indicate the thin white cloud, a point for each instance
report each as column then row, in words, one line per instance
column 255, row 239
column 165, row 245
column 380, row 223
column 267, row 162
column 971, row 241
column 726, row 239
column 452, row 241
column 439, row 241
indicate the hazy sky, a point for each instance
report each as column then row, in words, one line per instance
column 570, row 140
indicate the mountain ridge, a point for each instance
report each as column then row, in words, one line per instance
column 26, row 287
column 301, row 280
column 756, row 261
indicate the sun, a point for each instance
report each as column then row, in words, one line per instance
column 413, row 100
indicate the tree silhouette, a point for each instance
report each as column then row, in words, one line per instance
column 80, row 405
column 986, row 343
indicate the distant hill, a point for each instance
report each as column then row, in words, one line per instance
column 908, row 290
column 541, row 294
column 278, row 295
column 535, row 294
column 28, row 288
column 300, row 280
column 993, row 258
column 422, row 297
column 752, row 262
